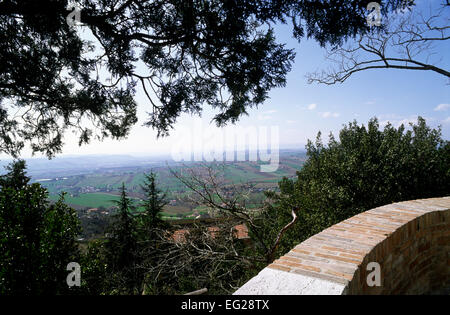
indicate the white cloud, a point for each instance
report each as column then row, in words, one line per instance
column 273, row 111
column 312, row 106
column 442, row 107
column 329, row 114
column 446, row 120
column 264, row 117
column 370, row 102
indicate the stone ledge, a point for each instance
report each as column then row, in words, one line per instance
column 275, row 282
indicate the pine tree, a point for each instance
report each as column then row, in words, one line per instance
column 16, row 176
column 150, row 222
column 153, row 204
column 121, row 247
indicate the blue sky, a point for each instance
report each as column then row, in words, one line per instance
column 300, row 109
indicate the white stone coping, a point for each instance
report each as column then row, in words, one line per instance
column 276, row 282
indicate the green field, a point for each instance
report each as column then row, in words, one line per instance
column 100, row 188
column 92, row 200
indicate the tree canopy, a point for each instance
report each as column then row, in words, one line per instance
column 37, row 239
column 121, row 246
column 366, row 167
column 154, row 202
column 181, row 54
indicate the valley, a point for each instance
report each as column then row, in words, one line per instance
column 93, row 190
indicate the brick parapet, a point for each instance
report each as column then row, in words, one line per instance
column 409, row 240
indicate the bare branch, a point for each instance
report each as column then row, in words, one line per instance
column 407, row 44
column 280, row 235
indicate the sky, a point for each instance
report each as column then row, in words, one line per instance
column 300, row 110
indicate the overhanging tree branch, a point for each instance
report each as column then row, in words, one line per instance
column 407, row 44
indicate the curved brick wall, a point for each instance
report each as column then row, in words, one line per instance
column 409, row 240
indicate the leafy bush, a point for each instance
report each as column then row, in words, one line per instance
column 37, row 240
column 366, row 168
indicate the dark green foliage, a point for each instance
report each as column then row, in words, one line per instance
column 59, row 245
column 221, row 53
column 43, row 71
column 37, row 240
column 16, row 177
column 192, row 50
column 95, row 276
column 367, row 167
column 93, row 226
column 334, row 21
column 121, row 249
column 150, row 226
column 153, row 204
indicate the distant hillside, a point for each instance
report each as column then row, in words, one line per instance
column 92, row 181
